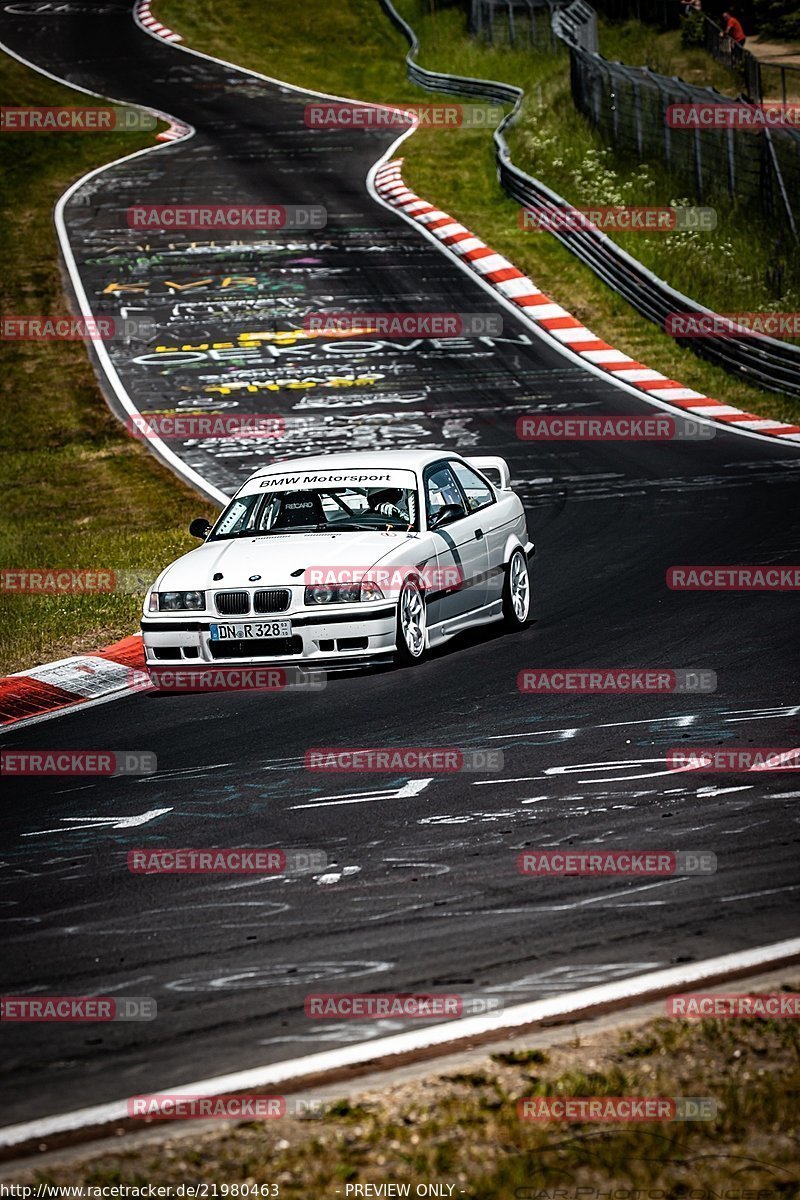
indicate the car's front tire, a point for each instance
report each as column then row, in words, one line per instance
column 517, row 591
column 410, row 641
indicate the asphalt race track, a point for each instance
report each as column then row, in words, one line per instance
column 422, row 890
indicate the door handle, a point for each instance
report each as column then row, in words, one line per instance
column 478, row 534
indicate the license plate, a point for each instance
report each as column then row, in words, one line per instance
column 250, row 630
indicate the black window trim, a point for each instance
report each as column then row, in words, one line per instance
column 429, row 470
column 469, row 467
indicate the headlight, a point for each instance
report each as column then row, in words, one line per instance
column 370, row 590
column 319, row 595
column 342, row 593
column 178, row 601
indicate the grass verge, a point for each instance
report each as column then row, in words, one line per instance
column 456, row 169
column 79, row 492
column 83, row 495
column 462, row 1129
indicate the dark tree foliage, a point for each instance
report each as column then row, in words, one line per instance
column 779, row 19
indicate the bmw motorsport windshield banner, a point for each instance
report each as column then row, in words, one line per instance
column 359, row 477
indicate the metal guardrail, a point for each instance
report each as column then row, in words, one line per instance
column 761, row 360
column 577, row 26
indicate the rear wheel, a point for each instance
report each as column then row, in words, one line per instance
column 410, row 640
column 517, row 591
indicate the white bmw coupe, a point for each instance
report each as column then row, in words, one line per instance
column 347, row 560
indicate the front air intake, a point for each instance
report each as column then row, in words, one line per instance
column 270, row 600
column 232, row 604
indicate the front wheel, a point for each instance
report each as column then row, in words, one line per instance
column 517, row 592
column 410, row 640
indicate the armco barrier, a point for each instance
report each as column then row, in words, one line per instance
column 576, row 25
column 764, row 361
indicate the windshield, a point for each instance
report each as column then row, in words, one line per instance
column 318, row 509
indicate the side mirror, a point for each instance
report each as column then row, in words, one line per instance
column 200, row 528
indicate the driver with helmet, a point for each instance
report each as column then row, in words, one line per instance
column 394, row 502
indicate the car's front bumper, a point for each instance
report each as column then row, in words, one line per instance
column 317, row 637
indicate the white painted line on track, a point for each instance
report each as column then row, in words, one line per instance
column 519, row 1017
column 569, row 1006
column 161, row 450
column 499, row 292
column 493, row 291
column 411, row 787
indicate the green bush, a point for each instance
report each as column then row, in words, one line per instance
column 693, row 30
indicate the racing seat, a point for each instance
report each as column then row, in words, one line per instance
column 300, row 508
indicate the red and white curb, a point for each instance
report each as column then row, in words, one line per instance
column 70, row 682
column 519, row 290
column 147, row 18
column 176, row 130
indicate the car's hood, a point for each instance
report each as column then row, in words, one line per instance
column 283, row 558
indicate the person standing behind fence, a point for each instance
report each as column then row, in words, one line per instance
column 733, row 30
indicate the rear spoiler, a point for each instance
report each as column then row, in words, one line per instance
column 495, row 469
